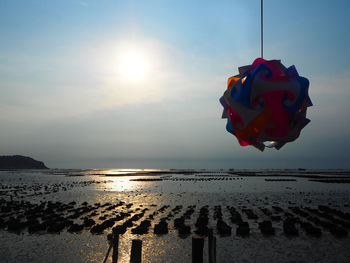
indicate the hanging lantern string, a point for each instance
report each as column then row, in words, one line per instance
column 261, row 29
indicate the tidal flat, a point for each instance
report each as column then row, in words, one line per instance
column 62, row 215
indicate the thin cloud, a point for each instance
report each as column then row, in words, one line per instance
column 82, row 3
column 331, row 84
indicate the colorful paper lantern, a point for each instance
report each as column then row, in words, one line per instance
column 265, row 105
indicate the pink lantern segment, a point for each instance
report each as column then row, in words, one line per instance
column 265, row 105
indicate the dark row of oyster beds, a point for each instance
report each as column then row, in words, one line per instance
column 339, row 180
column 56, row 217
column 23, row 190
column 298, row 173
column 322, row 176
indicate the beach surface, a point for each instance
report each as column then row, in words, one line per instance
column 62, row 215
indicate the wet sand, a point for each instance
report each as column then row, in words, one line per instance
column 257, row 216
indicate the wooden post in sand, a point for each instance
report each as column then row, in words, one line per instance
column 136, row 251
column 197, row 249
column 115, row 247
column 212, row 247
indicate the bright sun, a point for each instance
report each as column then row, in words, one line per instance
column 134, row 65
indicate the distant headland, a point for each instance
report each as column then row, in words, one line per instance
column 20, row 162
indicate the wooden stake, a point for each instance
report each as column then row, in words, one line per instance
column 197, row 249
column 136, row 251
column 115, row 248
column 212, row 247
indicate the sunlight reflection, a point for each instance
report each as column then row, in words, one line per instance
column 116, row 172
column 123, row 184
column 119, row 180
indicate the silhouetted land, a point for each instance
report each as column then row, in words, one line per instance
column 20, row 162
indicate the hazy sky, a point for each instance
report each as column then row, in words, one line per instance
column 67, row 96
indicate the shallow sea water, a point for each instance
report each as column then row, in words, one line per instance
column 225, row 188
